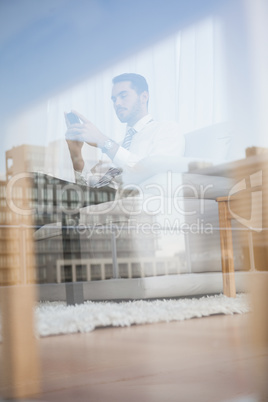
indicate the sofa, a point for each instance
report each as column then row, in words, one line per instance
column 159, row 236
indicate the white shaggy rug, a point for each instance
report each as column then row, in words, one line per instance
column 54, row 318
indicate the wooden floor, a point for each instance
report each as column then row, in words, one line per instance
column 203, row 359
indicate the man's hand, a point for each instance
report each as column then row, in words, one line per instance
column 85, row 132
column 79, row 133
column 75, row 148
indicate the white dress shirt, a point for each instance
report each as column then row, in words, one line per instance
column 153, row 138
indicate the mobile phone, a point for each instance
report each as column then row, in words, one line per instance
column 72, row 118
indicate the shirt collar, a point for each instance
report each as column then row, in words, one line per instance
column 142, row 122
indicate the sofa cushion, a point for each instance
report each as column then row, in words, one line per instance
column 211, row 144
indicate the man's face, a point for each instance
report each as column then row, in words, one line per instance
column 129, row 106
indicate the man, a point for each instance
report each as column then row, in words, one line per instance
column 144, row 137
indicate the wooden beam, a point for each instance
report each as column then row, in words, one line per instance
column 227, row 257
column 20, row 370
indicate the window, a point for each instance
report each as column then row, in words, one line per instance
column 66, row 273
column 108, row 271
column 81, row 272
column 95, row 270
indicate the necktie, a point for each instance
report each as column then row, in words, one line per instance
column 113, row 172
column 128, row 137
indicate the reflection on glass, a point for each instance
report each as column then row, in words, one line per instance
column 179, row 147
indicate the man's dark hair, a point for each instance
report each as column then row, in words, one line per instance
column 138, row 82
